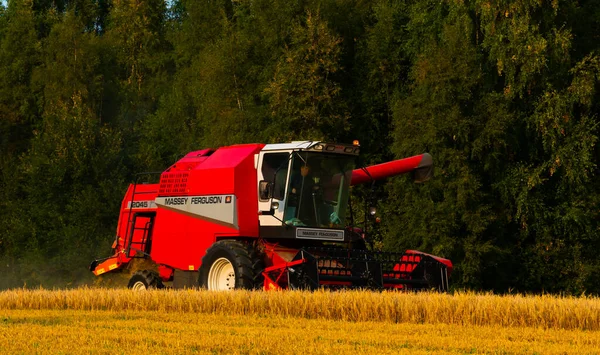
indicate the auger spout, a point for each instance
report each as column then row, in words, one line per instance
column 420, row 165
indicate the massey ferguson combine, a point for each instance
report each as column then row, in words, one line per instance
column 271, row 216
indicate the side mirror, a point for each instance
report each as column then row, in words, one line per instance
column 265, row 190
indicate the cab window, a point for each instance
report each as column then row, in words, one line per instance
column 274, row 170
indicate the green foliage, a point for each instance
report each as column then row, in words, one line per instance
column 494, row 97
column 445, row 78
column 19, row 54
column 504, row 95
column 303, row 97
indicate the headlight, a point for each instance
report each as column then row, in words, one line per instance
column 372, row 211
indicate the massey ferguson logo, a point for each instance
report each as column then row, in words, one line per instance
column 324, row 234
column 196, row 200
column 204, row 200
column 220, row 209
column 173, row 201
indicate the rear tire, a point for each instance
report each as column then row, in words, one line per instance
column 145, row 280
column 229, row 265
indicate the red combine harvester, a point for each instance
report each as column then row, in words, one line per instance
column 268, row 216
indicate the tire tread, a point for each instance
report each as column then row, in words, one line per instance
column 246, row 261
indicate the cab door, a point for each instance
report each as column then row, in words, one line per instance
column 273, row 166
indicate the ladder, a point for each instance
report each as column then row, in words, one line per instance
column 140, row 247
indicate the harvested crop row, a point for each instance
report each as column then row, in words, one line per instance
column 357, row 306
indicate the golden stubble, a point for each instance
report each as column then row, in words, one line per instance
column 461, row 308
column 91, row 320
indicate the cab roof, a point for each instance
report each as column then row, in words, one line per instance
column 318, row 146
column 290, row 146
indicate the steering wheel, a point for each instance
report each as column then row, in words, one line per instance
column 318, row 193
column 330, row 202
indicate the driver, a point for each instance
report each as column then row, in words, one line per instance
column 303, row 186
column 303, row 178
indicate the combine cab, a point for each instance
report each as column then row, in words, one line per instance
column 270, row 216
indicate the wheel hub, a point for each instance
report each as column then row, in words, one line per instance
column 139, row 286
column 221, row 276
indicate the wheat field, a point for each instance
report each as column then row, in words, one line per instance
column 102, row 321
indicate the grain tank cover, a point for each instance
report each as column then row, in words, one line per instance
column 209, row 171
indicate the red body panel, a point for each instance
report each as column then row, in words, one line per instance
column 142, row 201
column 180, row 241
column 145, row 194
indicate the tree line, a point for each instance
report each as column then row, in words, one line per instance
column 504, row 95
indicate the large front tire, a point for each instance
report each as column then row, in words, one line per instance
column 228, row 265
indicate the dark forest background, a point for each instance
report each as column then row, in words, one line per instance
column 503, row 94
